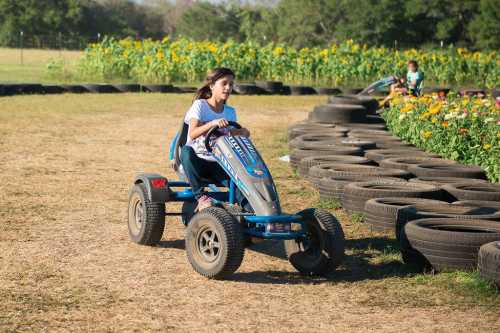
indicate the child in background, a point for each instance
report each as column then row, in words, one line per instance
column 414, row 78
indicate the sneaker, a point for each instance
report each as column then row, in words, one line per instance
column 204, row 202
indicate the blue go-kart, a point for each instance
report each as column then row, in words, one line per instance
column 216, row 237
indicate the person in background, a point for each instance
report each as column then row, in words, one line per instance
column 414, row 78
column 398, row 88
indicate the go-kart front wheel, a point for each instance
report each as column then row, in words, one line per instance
column 146, row 220
column 322, row 249
column 214, row 243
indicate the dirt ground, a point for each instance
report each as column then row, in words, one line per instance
column 67, row 264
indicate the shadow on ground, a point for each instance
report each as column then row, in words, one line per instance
column 358, row 265
column 371, row 258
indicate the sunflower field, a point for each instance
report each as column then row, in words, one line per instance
column 465, row 129
column 185, row 60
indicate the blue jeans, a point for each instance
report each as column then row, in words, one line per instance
column 201, row 172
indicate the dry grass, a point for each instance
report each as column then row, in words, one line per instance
column 34, row 67
column 67, row 264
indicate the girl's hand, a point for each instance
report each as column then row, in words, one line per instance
column 219, row 122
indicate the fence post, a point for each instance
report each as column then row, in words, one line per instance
column 60, row 44
column 395, row 44
column 21, row 42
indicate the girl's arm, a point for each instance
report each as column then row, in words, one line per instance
column 196, row 128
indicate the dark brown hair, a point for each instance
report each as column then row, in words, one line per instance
column 204, row 91
column 414, row 63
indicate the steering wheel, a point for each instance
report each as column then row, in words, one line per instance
column 212, row 132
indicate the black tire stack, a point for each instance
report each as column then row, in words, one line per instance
column 450, row 220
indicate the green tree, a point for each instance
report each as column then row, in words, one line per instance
column 204, row 20
column 38, row 17
column 485, row 27
column 259, row 24
column 375, row 22
column 307, row 22
column 433, row 21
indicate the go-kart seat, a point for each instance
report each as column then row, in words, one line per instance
column 180, row 142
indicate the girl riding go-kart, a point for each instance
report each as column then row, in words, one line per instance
column 211, row 150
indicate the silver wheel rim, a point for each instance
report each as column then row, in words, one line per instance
column 138, row 214
column 208, row 243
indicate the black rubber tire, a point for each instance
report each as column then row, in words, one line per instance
column 478, row 203
column 328, row 91
column 158, row 88
column 357, row 194
column 319, row 129
column 271, row 87
column 382, row 213
column 308, row 162
column 338, row 169
column 332, row 188
column 469, row 191
column 149, row 230
column 310, row 128
column 374, row 119
column 391, row 144
column 360, row 143
column 53, row 89
column 127, row 87
column 447, row 170
column 382, row 127
column 339, row 113
column 380, row 154
column 435, row 90
column 248, row 89
column 441, row 181
column 184, row 90
column 22, row 89
column 101, row 88
column 472, row 92
column 371, row 105
column 325, row 239
column 229, row 234
column 371, row 132
column 286, row 90
column 298, row 154
column 451, row 244
column 302, row 90
column 404, row 163
column 75, row 88
column 489, row 262
column 308, row 140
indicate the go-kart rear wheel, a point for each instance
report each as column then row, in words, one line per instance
column 214, row 243
column 146, row 220
column 322, row 249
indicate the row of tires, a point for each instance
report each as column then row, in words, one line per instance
column 445, row 215
column 257, row 88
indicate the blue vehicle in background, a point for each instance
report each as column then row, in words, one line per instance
column 216, row 237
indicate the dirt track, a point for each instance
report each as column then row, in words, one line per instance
column 66, row 262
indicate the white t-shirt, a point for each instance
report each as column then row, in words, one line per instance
column 202, row 111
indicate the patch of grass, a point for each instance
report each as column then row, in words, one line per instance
column 329, row 204
column 357, row 218
column 469, row 285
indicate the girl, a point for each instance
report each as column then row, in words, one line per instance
column 209, row 109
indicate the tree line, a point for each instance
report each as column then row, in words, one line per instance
column 300, row 23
